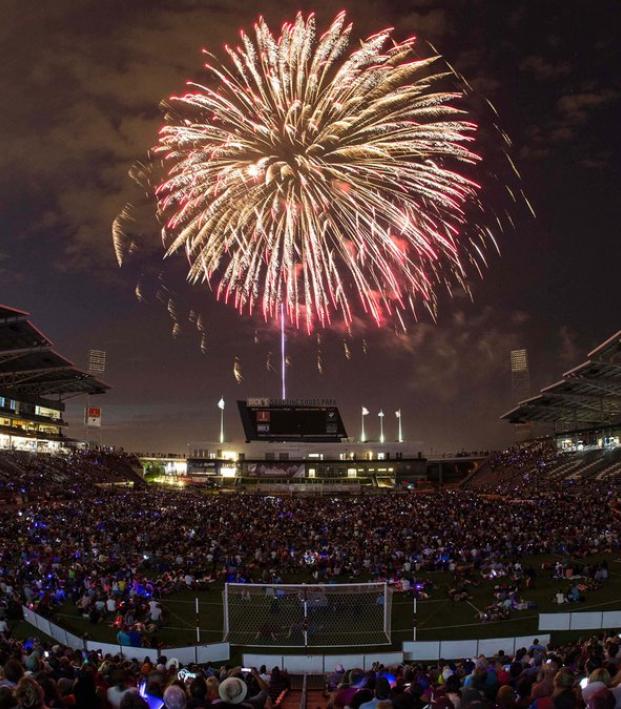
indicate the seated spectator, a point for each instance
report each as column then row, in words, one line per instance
column 118, row 690
column 29, row 694
column 175, row 697
column 564, row 694
column 381, row 694
column 232, row 692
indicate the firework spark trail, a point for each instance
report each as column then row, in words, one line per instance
column 237, row 370
column 342, row 186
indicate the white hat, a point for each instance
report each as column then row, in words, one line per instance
column 232, row 690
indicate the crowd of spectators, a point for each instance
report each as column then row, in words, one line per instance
column 112, row 551
column 43, row 676
column 27, row 477
column 517, row 464
column 581, row 674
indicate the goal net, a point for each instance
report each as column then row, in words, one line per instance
column 303, row 615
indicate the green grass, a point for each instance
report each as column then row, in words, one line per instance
column 437, row 619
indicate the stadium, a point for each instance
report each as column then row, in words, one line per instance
column 310, row 360
column 226, row 555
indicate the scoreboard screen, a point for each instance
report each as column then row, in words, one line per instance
column 278, row 420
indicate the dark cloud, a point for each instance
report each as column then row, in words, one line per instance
column 544, row 70
column 569, row 121
column 431, row 24
column 576, row 108
column 462, row 354
column 81, row 85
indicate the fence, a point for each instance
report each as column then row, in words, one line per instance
column 320, row 664
column 199, row 654
column 586, row 620
column 412, row 651
column 457, row 649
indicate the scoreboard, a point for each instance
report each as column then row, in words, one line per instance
column 292, row 420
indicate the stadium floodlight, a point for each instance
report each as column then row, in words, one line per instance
column 400, row 429
column 364, row 412
column 381, row 418
column 96, row 361
column 307, row 615
column 221, row 407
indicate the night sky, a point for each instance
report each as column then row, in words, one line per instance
column 81, row 82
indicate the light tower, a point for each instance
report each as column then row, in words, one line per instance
column 520, row 388
column 399, row 428
column 221, row 407
column 364, row 412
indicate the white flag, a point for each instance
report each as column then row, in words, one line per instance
column 221, row 404
column 381, row 414
column 398, row 413
column 365, row 411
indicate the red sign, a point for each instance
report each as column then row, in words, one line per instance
column 93, row 416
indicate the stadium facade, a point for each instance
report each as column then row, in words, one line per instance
column 35, row 381
column 346, row 466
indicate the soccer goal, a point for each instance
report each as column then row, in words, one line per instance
column 305, row 615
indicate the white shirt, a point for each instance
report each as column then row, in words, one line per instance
column 115, row 696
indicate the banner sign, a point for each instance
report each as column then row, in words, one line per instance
column 92, row 416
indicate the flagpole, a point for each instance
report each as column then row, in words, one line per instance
column 381, row 418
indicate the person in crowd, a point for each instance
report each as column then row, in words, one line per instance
column 381, row 694
column 175, row 697
column 118, row 690
column 232, row 692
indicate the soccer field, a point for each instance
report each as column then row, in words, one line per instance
column 437, row 618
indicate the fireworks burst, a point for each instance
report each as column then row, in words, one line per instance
column 335, row 185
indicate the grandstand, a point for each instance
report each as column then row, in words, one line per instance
column 36, row 458
column 583, row 408
column 581, row 415
column 34, row 383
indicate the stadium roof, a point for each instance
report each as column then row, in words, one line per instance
column 589, row 394
column 29, row 367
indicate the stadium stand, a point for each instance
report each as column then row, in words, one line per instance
column 34, row 381
column 583, row 410
column 545, row 464
column 27, row 476
column 588, row 397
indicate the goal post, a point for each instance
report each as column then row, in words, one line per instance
column 307, row 615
